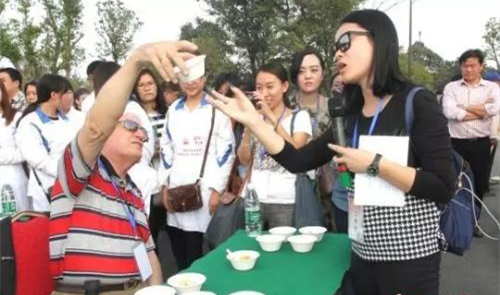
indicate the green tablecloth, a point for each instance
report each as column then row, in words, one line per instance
column 285, row 272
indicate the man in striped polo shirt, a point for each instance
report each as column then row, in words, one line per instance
column 99, row 237
column 469, row 104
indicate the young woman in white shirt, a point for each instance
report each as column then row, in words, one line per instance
column 42, row 135
column 11, row 170
column 275, row 186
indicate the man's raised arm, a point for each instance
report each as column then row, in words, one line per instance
column 113, row 96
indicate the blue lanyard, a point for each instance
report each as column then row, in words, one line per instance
column 355, row 136
column 129, row 211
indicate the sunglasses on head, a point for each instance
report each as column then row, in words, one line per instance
column 344, row 42
column 133, row 126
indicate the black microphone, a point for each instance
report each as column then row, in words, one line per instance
column 337, row 111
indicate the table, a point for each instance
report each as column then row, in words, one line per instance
column 285, row 272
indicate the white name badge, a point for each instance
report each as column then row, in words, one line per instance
column 142, row 260
column 355, row 221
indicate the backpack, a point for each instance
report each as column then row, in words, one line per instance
column 458, row 217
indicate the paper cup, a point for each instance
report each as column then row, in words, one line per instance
column 196, row 68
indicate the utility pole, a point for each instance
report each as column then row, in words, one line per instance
column 410, row 41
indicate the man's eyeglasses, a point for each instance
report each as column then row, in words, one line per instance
column 344, row 42
column 133, row 126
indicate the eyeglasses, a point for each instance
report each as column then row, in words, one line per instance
column 146, row 84
column 133, row 126
column 344, row 42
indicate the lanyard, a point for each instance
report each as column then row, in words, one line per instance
column 316, row 116
column 262, row 151
column 372, row 125
column 129, row 211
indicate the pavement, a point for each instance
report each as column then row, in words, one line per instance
column 478, row 271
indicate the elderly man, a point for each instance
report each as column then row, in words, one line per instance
column 99, row 237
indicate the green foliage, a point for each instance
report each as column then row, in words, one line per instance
column 27, row 35
column 273, row 30
column 492, row 40
column 212, row 41
column 419, row 73
column 116, row 27
column 61, row 34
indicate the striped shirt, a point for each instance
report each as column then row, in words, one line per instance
column 90, row 235
column 459, row 93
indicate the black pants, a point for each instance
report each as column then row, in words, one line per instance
column 187, row 246
column 340, row 220
column 477, row 153
column 410, row 277
column 493, row 150
column 157, row 221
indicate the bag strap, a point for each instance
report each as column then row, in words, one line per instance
column 47, row 195
column 409, row 111
column 202, row 171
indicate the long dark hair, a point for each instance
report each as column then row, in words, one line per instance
column 161, row 106
column 297, row 59
column 388, row 78
column 8, row 112
column 280, row 72
column 46, row 85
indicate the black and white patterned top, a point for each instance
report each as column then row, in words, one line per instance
column 411, row 231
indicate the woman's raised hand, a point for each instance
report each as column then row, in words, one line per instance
column 239, row 108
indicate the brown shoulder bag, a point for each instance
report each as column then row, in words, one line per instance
column 187, row 197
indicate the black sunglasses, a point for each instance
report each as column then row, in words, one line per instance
column 133, row 126
column 344, row 42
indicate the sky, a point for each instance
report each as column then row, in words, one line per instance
column 448, row 27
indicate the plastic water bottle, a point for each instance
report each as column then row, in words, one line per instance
column 253, row 216
column 8, row 201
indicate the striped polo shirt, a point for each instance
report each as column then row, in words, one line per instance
column 91, row 237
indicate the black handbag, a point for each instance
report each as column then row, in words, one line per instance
column 7, row 262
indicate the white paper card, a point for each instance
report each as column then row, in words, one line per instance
column 355, row 221
column 374, row 191
column 142, row 260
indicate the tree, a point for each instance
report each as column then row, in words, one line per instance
column 8, row 46
column 273, row 30
column 212, row 41
column 419, row 73
column 62, row 33
column 492, row 40
column 27, row 35
column 116, row 27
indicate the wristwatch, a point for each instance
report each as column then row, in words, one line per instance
column 373, row 169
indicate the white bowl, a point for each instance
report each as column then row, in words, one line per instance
column 187, row 282
column 317, row 231
column 156, row 290
column 270, row 243
column 243, row 260
column 201, row 293
column 285, row 231
column 196, row 67
column 302, row 243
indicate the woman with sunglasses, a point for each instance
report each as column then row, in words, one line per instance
column 399, row 250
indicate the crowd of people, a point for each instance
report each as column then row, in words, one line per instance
column 102, row 161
